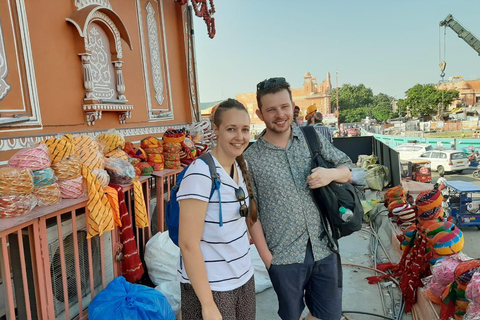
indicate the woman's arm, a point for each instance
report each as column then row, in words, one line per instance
column 192, row 220
column 256, row 232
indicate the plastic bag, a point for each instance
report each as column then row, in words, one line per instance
column 16, row 205
column 161, row 258
column 472, row 292
column 120, row 171
column 15, row 181
column 35, row 158
column 377, row 177
column 473, row 312
column 121, row 300
column 359, row 177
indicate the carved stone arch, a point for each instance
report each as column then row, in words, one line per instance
column 105, row 18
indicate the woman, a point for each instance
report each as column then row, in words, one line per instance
column 215, row 269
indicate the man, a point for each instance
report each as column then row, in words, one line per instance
column 288, row 234
column 296, row 113
column 320, row 128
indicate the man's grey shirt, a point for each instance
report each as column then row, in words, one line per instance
column 286, row 208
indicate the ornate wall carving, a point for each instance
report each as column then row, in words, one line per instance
column 80, row 4
column 100, row 64
column 113, row 28
column 151, row 21
column 4, row 86
column 152, row 34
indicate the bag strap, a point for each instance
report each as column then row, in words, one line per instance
column 314, row 144
column 216, row 182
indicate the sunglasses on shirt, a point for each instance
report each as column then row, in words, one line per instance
column 269, row 82
column 240, row 195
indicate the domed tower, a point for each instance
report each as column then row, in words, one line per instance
column 307, row 83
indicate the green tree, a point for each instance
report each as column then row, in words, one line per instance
column 426, row 100
column 352, row 97
column 358, row 102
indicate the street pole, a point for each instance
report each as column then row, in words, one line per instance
column 338, row 106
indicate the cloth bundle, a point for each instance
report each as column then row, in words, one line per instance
column 454, row 301
column 377, row 177
column 71, row 189
column 102, row 177
column 47, row 195
column 120, row 171
column 172, row 144
column 15, row 181
column 393, row 194
column 117, row 153
column 67, row 169
column 153, row 148
column 36, row 158
column 59, row 148
column 110, row 140
column 202, row 136
column 88, row 152
column 405, row 214
column 43, row 177
column 151, row 143
column 472, row 292
column 429, row 205
column 16, row 205
column 145, row 168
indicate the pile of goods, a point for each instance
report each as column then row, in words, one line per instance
column 432, row 256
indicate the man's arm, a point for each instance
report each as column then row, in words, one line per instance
column 320, row 177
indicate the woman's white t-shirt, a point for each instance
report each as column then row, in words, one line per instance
column 226, row 249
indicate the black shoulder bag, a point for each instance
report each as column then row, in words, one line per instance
column 330, row 198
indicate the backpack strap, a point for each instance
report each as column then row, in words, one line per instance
column 216, row 182
column 314, row 144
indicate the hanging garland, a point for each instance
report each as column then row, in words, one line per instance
column 202, row 9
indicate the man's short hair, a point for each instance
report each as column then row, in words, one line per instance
column 272, row 85
column 297, row 108
column 318, row 117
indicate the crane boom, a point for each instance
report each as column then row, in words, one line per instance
column 463, row 33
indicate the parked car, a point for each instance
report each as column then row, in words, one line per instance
column 409, row 151
column 446, row 160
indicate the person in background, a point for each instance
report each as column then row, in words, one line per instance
column 215, row 268
column 310, row 113
column 296, row 113
column 289, row 235
column 320, row 128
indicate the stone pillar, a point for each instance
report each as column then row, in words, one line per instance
column 87, row 76
column 120, row 82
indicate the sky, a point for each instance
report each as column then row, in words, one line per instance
column 387, row 45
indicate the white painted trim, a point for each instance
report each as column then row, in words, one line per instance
column 35, row 119
column 15, row 143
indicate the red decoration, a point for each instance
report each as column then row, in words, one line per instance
column 202, row 9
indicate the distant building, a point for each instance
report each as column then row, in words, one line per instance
column 311, row 93
column 469, row 91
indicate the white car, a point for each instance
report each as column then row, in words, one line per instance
column 409, row 151
column 446, row 160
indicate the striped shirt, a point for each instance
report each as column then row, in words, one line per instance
column 321, row 129
column 226, row 249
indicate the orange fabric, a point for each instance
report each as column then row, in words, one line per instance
column 112, row 196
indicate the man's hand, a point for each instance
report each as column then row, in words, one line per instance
column 320, row 177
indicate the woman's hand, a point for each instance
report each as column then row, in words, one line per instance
column 211, row 312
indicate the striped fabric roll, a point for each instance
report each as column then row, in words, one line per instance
column 72, row 189
column 111, row 140
column 67, row 169
column 44, row 177
column 59, row 149
column 48, row 195
column 141, row 217
column 15, row 181
column 31, row 158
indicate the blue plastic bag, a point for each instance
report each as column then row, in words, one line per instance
column 121, row 300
